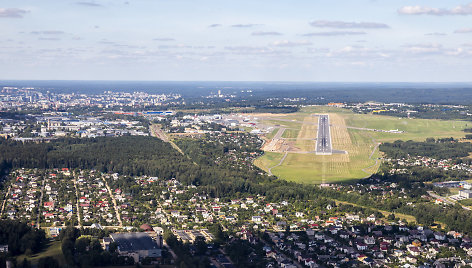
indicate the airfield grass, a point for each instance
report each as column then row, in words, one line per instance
column 361, row 159
column 271, row 134
column 315, row 169
column 287, row 124
column 290, row 133
column 269, row 159
column 415, row 129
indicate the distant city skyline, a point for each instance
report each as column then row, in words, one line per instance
column 258, row 40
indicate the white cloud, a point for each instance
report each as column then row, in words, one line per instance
column 286, row 43
column 464, row 30
column 421, row 10
column 249, row 25
column 89, row 4
column 424, row 48
column 12, row 13
column 255, row 50
column 435, row 34
column 348, row 25
column 265, row 33
column 50, row 32
column 359, row 52
column 335, row 33
column 49, row 39
column 455, row 52
column 163, row 39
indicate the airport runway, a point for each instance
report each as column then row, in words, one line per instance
column 323, row 141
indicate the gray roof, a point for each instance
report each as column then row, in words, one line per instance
column 134, row 241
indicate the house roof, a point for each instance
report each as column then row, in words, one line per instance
column 133, row 241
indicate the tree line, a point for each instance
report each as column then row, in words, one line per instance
column 130, row 155
column 434, row 148
column 21, row 238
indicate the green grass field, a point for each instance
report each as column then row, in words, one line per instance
column 361, row 159
column 269, row 159
column 290, row 133
column 415, row 129
column 53, row 249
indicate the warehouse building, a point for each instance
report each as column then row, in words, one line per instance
column 136, row 245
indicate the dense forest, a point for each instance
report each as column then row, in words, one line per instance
column 21, row 238
column 126, row 155
column 439, row 149
column 135, row 156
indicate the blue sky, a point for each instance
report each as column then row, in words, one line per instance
column 227, row 40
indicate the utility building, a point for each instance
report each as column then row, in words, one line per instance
column 136, row 245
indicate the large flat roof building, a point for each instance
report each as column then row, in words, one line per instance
column 136, row 245
column 465, row 193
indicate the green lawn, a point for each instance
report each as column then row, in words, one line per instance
column 53, row 250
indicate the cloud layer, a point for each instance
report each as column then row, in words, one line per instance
column 348, row 25
column 90, row 4
column 334, row 33
column 420, row 10
column 50, row 32
column 265, row 33
column 12, row 12
column 464, row 30
column 249, row 25
column 164, row 39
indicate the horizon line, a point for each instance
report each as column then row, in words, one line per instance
column 238, row 81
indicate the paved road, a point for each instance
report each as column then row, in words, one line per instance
column 38, row 223
column 118, row 216
column 323, row 141
column 157, row 132
column 79, row 219
column 5, row 201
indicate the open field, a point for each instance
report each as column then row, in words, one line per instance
column 290, row 133
column 52, row 250
column 301, row 165
column 269, row 160
column 415, row 129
